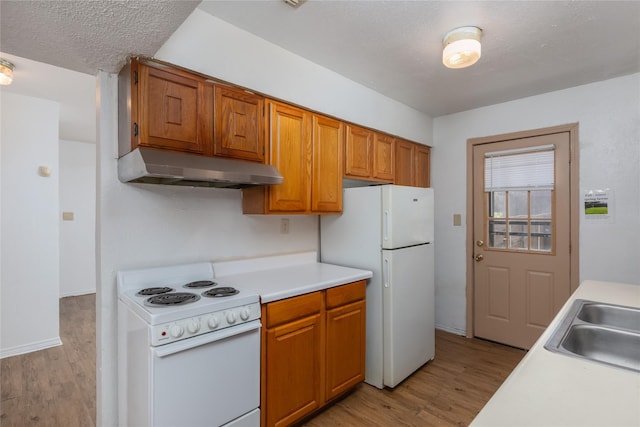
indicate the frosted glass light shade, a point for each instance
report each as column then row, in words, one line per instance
column 6, row 72
column 462, row 47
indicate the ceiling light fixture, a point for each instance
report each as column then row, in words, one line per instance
column 6, row 72
column 294, row 3
column 461, row 47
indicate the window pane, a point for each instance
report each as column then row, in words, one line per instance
column 497, row 234
column 541, row 204
column 518, row 204
column 541, row 236
column 518, row 235
column 498, row 204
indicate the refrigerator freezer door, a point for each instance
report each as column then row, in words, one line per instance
column 407, row 216
column 408, row 304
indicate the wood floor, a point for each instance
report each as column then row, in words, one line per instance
column 448, row 391
column 56, row 387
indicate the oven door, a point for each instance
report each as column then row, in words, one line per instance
column 208, row 380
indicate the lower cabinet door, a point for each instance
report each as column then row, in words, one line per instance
column 345, row 347
column 294, row 377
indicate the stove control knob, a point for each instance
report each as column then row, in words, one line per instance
column 213, row 322
column 176, row 331
column 245, row 313
column 231, row 318
column 193, row 326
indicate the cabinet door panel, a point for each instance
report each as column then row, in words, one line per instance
column 404, row 163
column 290, row 154
column 345, row 347
column 383, row 157
column 239, row 127
column 326, row 191
column 422, row 166
column 294, row 377
column 358, row 152
column 170, row 105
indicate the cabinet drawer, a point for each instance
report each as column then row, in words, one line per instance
column 345, row 294
column 293, row 308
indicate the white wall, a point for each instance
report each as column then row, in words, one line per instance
column 608, row 113
column 216, row 48
column 77, row 236
column 29, row 229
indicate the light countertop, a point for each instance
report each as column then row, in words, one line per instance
column 284, row 276
column 551, row 389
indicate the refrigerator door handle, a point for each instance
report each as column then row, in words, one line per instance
column 386, row 273
column 385, row 226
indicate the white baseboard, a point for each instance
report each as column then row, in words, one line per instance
column 28, row 348
column 77, row 293
column 452, row 330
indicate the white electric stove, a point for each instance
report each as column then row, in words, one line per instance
column 188, row 349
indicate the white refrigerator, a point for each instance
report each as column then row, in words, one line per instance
column 388, row 229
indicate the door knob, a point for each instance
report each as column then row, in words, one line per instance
column 480, row 243
column 479, row 257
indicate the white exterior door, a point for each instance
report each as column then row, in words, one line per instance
column 521, row 236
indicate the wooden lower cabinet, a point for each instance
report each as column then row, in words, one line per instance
column 312, row 351
column 346, row 326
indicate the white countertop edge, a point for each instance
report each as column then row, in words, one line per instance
column 318, row 286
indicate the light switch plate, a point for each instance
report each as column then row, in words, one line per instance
column 67, row 216
column 457, row 219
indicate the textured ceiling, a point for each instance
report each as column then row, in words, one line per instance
column 393, row 47
column 88, row 35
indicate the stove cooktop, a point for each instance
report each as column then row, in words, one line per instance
column 165, row 294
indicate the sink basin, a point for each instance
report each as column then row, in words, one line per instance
column 599, row 332
column 610, row 315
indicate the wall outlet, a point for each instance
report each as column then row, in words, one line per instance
column 67, row 216
column 284, row 226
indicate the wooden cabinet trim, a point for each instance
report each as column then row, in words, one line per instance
column 286, row 310
column 345, row 294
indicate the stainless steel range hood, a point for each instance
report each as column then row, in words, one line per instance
column 155, row 166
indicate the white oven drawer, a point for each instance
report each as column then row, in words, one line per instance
column 208, row 380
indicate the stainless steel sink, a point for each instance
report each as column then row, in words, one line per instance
column 603, row 333
column 615, row 316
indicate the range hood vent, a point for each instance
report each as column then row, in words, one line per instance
column 153, row 166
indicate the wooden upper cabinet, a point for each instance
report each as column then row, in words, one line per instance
column 422, row 166
column 383, row 157
column 168, row 108
column 290, row 153
column 239, row 124
column 307, row 150
column 404, row 162
column 369, row 155
column 358, row 153
column 412, row 164
column 326, row 191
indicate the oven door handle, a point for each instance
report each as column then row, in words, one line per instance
column 186, row 344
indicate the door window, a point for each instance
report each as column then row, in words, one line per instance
column 519, row 194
